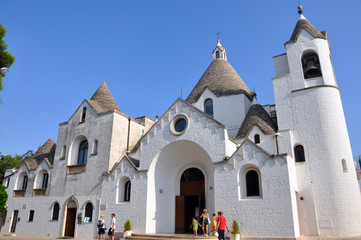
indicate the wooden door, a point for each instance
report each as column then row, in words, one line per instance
column 70, row 222
column 15, row 221
column 179, row 214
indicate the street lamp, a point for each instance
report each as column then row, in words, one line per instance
column 4, row 70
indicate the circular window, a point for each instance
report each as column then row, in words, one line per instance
column 179, row 125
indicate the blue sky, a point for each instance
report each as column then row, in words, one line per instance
column 146, row 51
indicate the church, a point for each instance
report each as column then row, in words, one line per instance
column 284, row 170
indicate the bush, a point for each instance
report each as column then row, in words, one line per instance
column 127, row 226
column 235, row 228
column 3, row 199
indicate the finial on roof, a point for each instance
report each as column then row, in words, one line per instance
column 300, row 10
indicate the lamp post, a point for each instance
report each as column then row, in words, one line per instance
column 3, row 70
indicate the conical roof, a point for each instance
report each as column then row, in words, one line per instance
column 303, row 23
column 257, row 115
column 45, row 152
column 102, row 100
column 221, row 78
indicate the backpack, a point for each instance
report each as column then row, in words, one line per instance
column 100, row 224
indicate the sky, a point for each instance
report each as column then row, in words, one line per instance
column 152, row 52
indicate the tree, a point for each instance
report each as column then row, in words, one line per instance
column 3, row 199
column 7, row 161
column 6, row 58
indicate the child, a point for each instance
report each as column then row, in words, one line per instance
column 214, row 225
column 195, row 226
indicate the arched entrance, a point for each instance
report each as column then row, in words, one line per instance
column 191, row 201
column 70, row 219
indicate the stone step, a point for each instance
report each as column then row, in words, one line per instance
column 138, row 236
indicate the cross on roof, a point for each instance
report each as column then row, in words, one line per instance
column 218, row 33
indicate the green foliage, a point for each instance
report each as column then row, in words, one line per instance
column 6, row 58
column 7, row 161
column 127, row 226
column 235, row 228
column 3, row 199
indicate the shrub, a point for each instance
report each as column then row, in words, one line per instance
column 127, row 226
column 235, row 228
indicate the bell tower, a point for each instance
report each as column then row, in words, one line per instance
column 313, row 132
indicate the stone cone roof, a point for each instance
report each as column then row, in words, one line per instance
column 102, row 100
column 45, row 152
column 222, row 79
column 303, row 23
column 257, row 115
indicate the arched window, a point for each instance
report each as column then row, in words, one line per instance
column 45, row 180
column 127, row 188
column 257, row 139
column 299, row 153
column 83, row 152
column 95, row 147
column 217, row 54
column 252, row 183
column 311, row 65
column 208, row 107
column 89, row 211
column 344, row 165
column 56, row 209
column 83, row 114
column 63, row 153
column 25, row 182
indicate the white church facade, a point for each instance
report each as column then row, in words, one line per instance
column 283, row 173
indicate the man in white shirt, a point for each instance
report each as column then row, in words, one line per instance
column 112, row 227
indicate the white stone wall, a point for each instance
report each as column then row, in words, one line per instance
column 272, row 213
column 229, row 110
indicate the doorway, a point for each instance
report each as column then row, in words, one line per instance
column 15, row 221
column 191, row 201
column 70, row 219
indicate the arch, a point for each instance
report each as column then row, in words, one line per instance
column 88, row 210
column 83, row 115
column 257, row 139
column 344, row 165
column 123, row 190
column 41, row 180
column 299, row 153
column 73, row 152
column 250, row 182
column 311, row 65
column 70, row 213
column 95, row 147
column 208, row 106
column 22, row 182
column 55, row 211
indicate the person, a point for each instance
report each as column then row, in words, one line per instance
column 214, row 225
column 195, row 224
column 112, row 227
column 221, row 226
column 205, row 222
column 101, row 227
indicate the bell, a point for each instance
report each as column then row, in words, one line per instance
column 311, row 67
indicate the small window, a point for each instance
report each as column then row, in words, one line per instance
column 344, row 165
column 252, row 183
column 311, row 65
column 45, row 180
column 89, row 211
column 299, row 153
column 95, row 147
column 180, row 125
column 127, row 188
column 63, row 153
column 217, row 54
column 257, row 139
column 83, row 114
column 83, row 152
column 31, row 216
column 7, row 181
column 208, row 107
column 25, row 182
column 56, row 209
